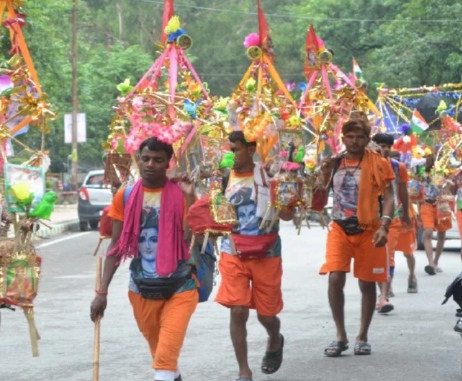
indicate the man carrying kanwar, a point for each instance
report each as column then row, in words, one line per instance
column 362, row 213
column 401, row 219
column 162, row 290
column 251, row 279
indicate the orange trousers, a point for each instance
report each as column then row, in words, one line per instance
column 163, row 323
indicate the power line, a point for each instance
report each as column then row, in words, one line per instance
column 291, row 16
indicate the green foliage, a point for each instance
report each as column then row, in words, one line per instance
column 403, row 43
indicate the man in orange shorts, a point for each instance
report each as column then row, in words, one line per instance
column 401, row 216
column 252, row 278
column 458, row 203
column 162, row 290
column 407, row 245
column 358, row 178
column 431, row 221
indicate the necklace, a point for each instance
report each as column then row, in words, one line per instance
column 351, row 173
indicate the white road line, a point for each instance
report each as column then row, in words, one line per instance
column 62, row 240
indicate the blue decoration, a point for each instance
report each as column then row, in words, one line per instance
column 173, row 36
column 191, row 107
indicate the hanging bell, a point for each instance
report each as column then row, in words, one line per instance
column 254, row 53
column 184, row 42
column 360, row 84
column 325, row 56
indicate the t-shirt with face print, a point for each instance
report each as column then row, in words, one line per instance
column 346, row 188
column 241, row 192
column 144, row 266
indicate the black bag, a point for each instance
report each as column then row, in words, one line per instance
column 159, row 288
column 350, row 225
column 454, row 290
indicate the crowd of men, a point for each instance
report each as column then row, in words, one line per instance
column 372, row 218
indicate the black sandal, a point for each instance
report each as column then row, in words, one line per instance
column 272, row 360
column 336, row 348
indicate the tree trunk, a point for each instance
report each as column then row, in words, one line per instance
column 121, row 21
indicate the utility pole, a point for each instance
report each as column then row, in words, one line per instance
column 75, row 100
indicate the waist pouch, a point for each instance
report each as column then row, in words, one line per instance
column 253, row 246
column 159, row 288
column 350, row 225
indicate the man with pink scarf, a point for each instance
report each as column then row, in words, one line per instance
column 149, row 226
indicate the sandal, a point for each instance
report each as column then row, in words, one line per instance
column 336, row 348
column 430, row 270
column 244, row 379
column 272, row 360
column 362, row 348
column 412, row 287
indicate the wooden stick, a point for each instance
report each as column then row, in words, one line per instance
column 33, row 333
column 98, row 246
column 97, row 335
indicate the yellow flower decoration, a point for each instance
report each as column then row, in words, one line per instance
column 21, row 191
column 173, row 25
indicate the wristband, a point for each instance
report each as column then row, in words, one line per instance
column 101, row 292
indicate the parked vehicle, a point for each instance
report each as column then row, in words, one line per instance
column 94, row 196
column 451, row 235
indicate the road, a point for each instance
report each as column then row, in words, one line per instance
column 414, row 342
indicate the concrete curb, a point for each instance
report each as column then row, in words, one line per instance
column 61, row 227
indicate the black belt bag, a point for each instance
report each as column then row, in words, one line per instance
column 350, row 225
column 160, row 288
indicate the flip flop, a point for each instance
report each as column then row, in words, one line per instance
column 336, row 348
column 412, row 287
column 272, row 361
column 430, row 270
column 244, row 379
column 362, row 349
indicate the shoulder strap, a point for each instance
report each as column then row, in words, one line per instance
column 127, row 192
column 224, row 182
column 334, row 170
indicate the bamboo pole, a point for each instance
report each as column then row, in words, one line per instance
column 97, row 335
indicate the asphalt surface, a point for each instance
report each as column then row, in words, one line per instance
column 414, row 342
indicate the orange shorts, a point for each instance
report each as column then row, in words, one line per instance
column 429, row 220
column 406, row 241
column 370, row 262
column 393, row 236
column 163, row 323
column 459, row 221
column 264, row 294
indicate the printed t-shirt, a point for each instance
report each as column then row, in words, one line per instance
column 145, row 265
column 346, row 187
column 430, row 190
column 241, row 192
column 401, row 177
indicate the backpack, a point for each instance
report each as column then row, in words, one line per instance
column 205, row 269
column 204, row 264
column 454, row 290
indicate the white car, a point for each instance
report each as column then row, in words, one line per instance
column 94, row 196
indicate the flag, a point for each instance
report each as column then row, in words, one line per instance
column 357, row 70
column 311, row 52
column 418, row 123
column 264, row 33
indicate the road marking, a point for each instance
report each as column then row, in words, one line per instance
column 62, row 240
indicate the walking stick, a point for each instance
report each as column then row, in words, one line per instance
column 96, row 341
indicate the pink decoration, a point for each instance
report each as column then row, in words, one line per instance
column 289, row 166
column 253, row 39
column 283, row 154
